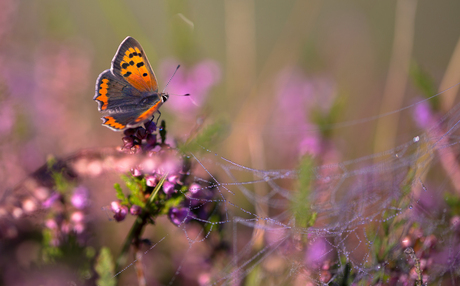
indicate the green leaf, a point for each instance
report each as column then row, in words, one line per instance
column 49, row 252
column 120, row 195
column 137, row 188
column 105, row 268
column 300, row 206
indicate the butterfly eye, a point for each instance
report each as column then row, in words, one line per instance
column 164, row 97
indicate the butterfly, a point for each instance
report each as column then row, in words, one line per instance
column 127, row 93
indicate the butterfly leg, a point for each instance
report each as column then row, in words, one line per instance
column 156, row 123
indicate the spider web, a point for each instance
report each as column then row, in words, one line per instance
column 365, row 210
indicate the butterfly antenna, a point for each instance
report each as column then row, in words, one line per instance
column 178, row 66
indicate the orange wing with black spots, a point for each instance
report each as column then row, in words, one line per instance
column 113, row 92
column 131, row 63
column 127, row 94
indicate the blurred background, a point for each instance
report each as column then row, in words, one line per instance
column 246, row 62
column 285, row 78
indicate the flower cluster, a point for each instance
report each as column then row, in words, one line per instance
column 140, row 139
column 66, row 216
column 159, row 183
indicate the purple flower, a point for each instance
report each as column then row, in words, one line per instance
column 150, row 127
column 51, row 223
column 173, row 179
column 194, row 188
column 199, row 196
column 78, row 221
column 316, row 253
column 128, row 142
column 151, row 139
column 77, row 217
column 168, row 188
column 120, row 211
column 179, row 215
column 141, row 133
column 79, row 197
column 196, row 81
column 136, row 172
column 51, row 200
column 423, row 115
column 129, row 132
column 151, row 180
column 299, row 95
column 135, row 210
column 310, row 145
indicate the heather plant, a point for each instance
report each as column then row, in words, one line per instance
column 318, row 146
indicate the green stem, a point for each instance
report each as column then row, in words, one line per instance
column 138, row 227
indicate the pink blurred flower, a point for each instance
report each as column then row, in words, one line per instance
column 423, row 115
column 51, row 200
column 194, row 188
column 310, row 145
column 297, row 96
column 80, row 197
column 316, row 253
column 196, row 81
column 168, row 188
column 120, row 211
column 151, row 180
column 135, row 210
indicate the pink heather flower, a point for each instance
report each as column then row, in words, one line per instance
column 66, row 227
column 79, row 197
column 150, row 127
column 51, row 200
column 51, row 224
column 168, row 188
column 151, row 180
column 423, row 115
column 120, row 211
column 316, row 253
column 115, row 206
column 79, row 228
column 310, row 145
column 194, row 188
column 173, row 179
column 136, row 172
column 196, row 81
column 298, row 96
column 179, row 215
column 77, row 217
column 135, row 210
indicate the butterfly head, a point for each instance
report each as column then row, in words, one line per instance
column 164, row 97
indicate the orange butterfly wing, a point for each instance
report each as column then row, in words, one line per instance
column 131, row 63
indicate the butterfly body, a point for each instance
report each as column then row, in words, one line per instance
column 127, row 94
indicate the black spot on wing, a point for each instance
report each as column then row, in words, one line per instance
column 144, row 74
column 127, row 74
column 140, row 64
column 125, row 65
